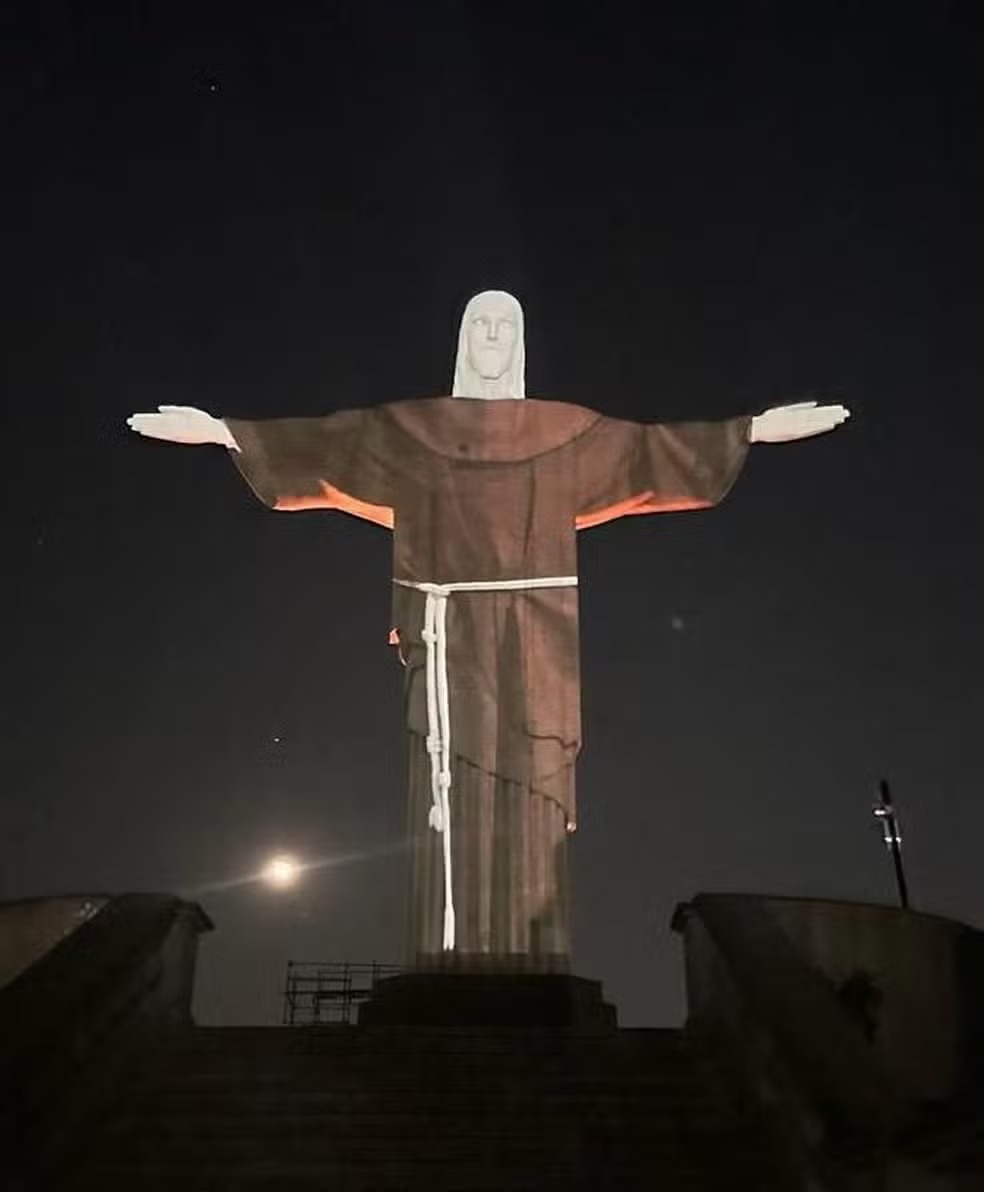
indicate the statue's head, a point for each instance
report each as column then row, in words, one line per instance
column 491, row 357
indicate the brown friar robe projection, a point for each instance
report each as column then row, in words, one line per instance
column 489, row 491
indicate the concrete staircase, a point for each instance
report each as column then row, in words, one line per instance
column 400, row 1108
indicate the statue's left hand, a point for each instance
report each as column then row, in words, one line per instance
column 782, row 424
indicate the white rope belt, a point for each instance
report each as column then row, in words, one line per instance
column 435, row 637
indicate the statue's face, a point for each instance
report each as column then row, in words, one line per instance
column 491, row 336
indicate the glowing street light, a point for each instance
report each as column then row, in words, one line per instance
column 281, row 872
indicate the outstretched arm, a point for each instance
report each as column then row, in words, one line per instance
column 626, row 468
column 183, row 424
column 333, row 462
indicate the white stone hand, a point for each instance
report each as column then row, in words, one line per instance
column 783, row 424
column 183, row 424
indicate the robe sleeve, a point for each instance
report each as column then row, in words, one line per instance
column 334, row 462
column 628, row 468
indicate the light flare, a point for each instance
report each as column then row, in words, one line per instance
column 263, row 876
column 282, row 871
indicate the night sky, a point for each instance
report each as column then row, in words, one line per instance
column 281, row 209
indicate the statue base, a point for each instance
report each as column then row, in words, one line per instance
column 457, row 996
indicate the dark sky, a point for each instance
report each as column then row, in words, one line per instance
column 705, row 209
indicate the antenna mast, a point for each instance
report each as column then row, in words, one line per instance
column 884, row 811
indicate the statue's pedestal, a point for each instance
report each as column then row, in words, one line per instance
column 459, row 997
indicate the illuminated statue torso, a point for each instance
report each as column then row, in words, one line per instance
column 489, row 492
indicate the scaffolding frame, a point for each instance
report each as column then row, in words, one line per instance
column 322, row 993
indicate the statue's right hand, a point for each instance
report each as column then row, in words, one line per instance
column 182, row 424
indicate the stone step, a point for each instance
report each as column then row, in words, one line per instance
column 413, row 1108
column 282, row 1050
column 433, row 1160
column 251, row 1098
column 248, row 1110
column 380, row 1074
column 423, row 1143
column 421, row 1040
column 275, row 1177
column 630, row 1148
column 652, row 1083
column 329, row 1034
column 413, row 1122
column 636, row 1141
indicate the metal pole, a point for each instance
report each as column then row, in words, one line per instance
column 884, row 811
column 287, row 1018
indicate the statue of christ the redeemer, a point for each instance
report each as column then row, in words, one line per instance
column 485, row 493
